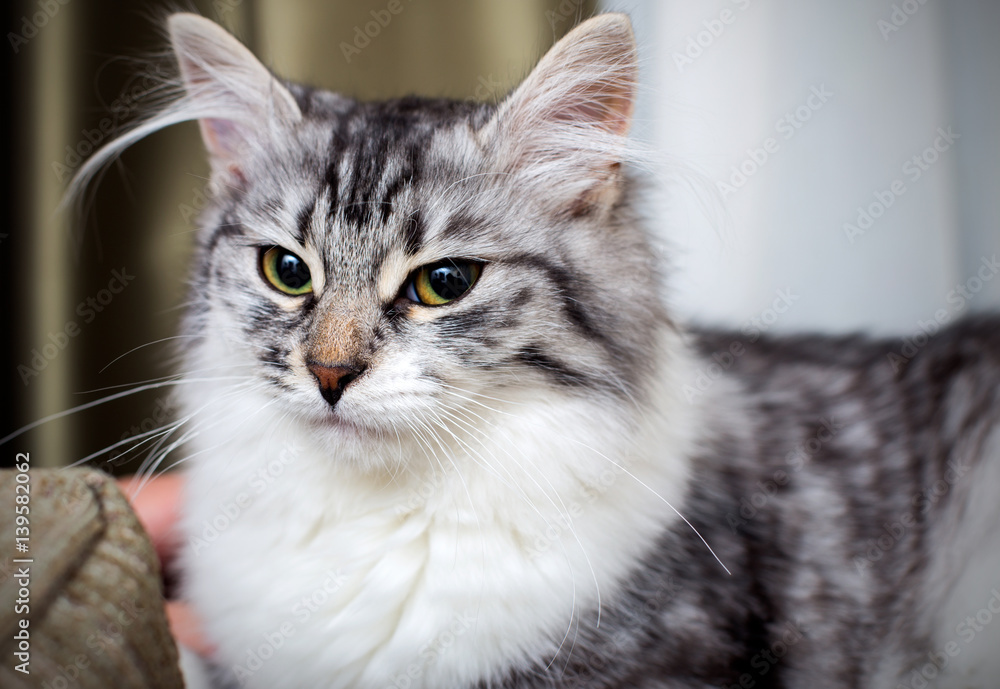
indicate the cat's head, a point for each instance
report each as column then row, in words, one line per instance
column 383, row 267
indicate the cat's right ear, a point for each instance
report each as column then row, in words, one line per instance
column 563, row 131
column 237, row 101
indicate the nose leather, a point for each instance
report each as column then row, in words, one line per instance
column 332, row 379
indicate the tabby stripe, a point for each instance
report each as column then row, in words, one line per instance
column 304, row 99
column 303, row 222
column 265, row 316
column 407, row 176
column 338, row 145
column 370, row 161
column 463, row 227
column 275, row 354
column 466, row 322
column 413, row 233
column 227, row 229
column 561, row 373
column 573, row 291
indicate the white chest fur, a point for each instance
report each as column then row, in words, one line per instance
column 310, row 574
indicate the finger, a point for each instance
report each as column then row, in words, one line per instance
column 187, row 629
column 157, row 507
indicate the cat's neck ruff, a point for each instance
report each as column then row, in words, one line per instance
column 421, row 576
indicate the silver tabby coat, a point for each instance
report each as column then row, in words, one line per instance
column 430, row 365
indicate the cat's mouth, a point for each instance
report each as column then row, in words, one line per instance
column 344, row 427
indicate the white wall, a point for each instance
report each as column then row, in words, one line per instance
column 887, row 94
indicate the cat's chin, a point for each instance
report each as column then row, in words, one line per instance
column 349, row 445
column 336, row 427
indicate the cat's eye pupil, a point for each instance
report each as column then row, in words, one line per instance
column 443, row 282
column 293, row 271
column 285, row 271
column 450, row 281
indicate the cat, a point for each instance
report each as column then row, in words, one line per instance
column 444, row 432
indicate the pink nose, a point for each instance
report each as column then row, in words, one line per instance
column 332, row 379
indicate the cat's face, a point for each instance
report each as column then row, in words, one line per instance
column 385, row 268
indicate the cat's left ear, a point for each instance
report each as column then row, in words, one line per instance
column 238, row 101
column 564, row 129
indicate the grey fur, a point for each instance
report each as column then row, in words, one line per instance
column 815, row 448
column 830, row 414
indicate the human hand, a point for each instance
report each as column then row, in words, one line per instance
column 157, row 507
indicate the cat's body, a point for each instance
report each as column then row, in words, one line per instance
column 486, row 490
column 834, row 504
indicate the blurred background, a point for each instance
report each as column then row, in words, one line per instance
column 813, row 166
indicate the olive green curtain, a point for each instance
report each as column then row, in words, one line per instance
column 88, row 289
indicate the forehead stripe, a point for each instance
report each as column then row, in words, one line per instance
column 369, row 165
column 338, row 145
column 303, row 222
column 413, row 233
column 407, row 176
column 227, row 228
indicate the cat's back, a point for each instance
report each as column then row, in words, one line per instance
column 877, row 463
column 923, row 374
column 883, row 420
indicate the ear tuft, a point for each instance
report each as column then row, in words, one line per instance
column 237, row 101
column 240, row 100
column 565, row 126
column 589, row 77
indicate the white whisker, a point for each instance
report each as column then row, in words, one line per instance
column 95, row 403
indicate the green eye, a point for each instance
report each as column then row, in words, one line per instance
column 442, row 282
column 285, row 271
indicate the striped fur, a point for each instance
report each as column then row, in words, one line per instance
column 495, row 500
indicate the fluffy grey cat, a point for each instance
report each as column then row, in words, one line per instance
column 444, row 433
